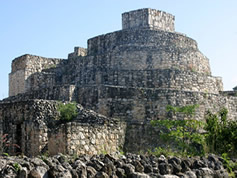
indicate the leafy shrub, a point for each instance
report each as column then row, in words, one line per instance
column 220, row 136
column 229, row 164
column 188, row 110
column 67, row 111
column 221, row 133
column 182, row 133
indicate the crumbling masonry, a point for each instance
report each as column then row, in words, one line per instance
column 129, row 76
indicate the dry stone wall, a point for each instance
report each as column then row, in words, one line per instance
column 77, row 138
column 24, row 122
column 32, row 127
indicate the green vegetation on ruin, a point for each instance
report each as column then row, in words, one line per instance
column 67, row 111
column 189, row 137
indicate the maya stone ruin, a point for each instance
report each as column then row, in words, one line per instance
column 121, row 82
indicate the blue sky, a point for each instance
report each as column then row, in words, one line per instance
column 51, row 28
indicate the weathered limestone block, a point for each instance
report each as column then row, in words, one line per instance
column 148, row 18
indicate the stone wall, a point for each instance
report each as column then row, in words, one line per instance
column 40, row 80
column 147, row 49
column 145, row 104
column 78, row 51
column 138, row 106
column 160, row 78
column 76, row 138
column 23, row 67
column 25, row 123
column 32, row 127
column 148, row 18
column 92, row 71
column 17, row 82
column 57, row 92
column 99, row 70
column 135, row 103
column 140, row 38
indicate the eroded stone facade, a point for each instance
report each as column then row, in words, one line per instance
column 131, row 74
column 33, row 127
column 148, row 18
column 23, row 67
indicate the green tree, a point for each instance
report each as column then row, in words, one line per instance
column 221, row 133
column 185, row 132
column 67, row 111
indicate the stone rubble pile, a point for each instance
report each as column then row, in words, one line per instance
column 105, row 166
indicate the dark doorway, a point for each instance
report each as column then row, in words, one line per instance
column 18, row 139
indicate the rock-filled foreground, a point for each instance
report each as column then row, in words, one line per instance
column 103, row 166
